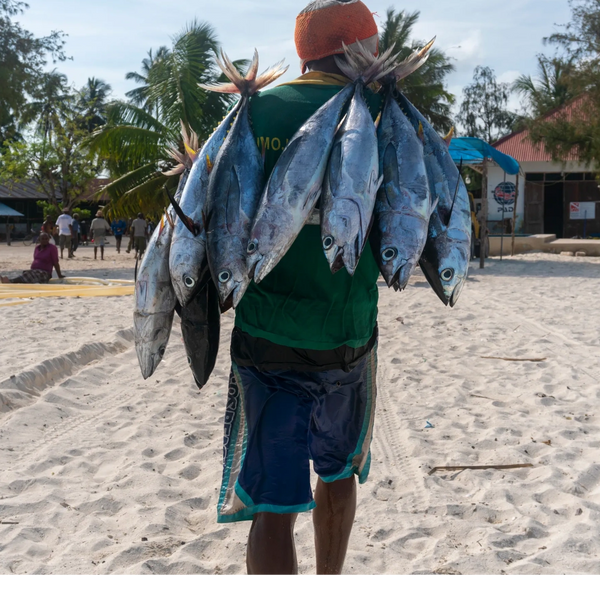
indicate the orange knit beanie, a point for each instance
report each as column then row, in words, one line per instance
column 324, row 24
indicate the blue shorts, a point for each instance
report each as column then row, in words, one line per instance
column 277, row 421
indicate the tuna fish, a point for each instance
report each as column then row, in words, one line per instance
column 352, row 177
column 187, row 261
column 403, row 203
column 445, row 259
column 235, row 186
column 154, row 297
column 294, row 187
column 200, row 328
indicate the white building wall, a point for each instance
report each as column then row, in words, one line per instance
column 496, row 176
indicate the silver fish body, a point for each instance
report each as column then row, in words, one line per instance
column 445, row 259
column 403, row 203
column 350, row 186
column 234, row 191
column 187, row 261
column 154, row 300
column 294, row 187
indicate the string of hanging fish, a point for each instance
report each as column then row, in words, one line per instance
column 392, row 181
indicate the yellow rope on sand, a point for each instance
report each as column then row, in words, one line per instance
column 27, row 290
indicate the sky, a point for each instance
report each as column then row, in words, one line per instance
column 108, row 38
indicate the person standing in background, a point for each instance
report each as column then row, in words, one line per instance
column 65, row 232
column 99, row 230
column 140, row 234
column 119, row 228
column 129, row 232
column 75, row 227
column 84, row 233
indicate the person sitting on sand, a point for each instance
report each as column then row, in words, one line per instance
column 99, row 230
column 45, row 258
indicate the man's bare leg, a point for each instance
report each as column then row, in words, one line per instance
column 271, row 549
column 333, row 518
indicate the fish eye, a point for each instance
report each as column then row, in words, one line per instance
column 189, row 361
column 252, row 246
column 389, row 254
column 188, row 281
column 327, row 242
column 224, row 276
column 161, row 351
column 447, row 274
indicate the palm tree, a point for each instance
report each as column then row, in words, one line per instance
column 49, row 105
column 426, row 87
column 551, row 90
column 139, row 95
column 92, row 103
column 135, row 142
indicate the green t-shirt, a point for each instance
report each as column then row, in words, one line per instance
column 300, row 303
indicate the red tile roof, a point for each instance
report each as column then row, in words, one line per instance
column 519, row 146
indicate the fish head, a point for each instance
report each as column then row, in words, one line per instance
column 151, row 335
column 232, row 281
column 400, row 238
column 270, row 239
column 341, row 234
column 187, row 265
column 447, row 272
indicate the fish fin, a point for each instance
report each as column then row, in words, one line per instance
column 414, row 62
column 178, row 170
column 277, row 177
column 448, row 138
column 248, row 85
column 335, row 166
column 351, row 254
column 169, row 218
column 433, row 278
column 421, row 132
column 233, row 197
column 268, row 77
column 253, row 68
column 190, row 140
column 209, row 164
column 391, row 173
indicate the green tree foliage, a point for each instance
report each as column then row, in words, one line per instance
column 483, row 112
column 134, row 143
column 579, row 42
column 551, row 90
column 55, row 154
column 92, row 103
column 426, row 87
column 22, row 60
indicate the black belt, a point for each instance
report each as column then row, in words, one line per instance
column 263, row 355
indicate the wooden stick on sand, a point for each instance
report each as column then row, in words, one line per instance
column 480, row 468
column 515, row 359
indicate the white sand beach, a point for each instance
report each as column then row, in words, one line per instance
column 101, row 472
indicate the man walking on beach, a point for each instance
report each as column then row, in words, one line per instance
column 99, row 230
column 45, row 258
column 119, row 227
column 65, row 232
column 303, row 379
column 139, row 235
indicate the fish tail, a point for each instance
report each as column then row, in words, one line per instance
column 190, row 140
column 361, row 64
column 269, row 76
column 238, row 84
column 414, row 62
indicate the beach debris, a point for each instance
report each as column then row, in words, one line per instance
column 480, row 468
column 429, row 425
column 236, row 184
column 9, row 522
column 548, row 442
column 400, row 320
column 534, row 360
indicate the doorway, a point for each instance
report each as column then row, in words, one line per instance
column 554, row 207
